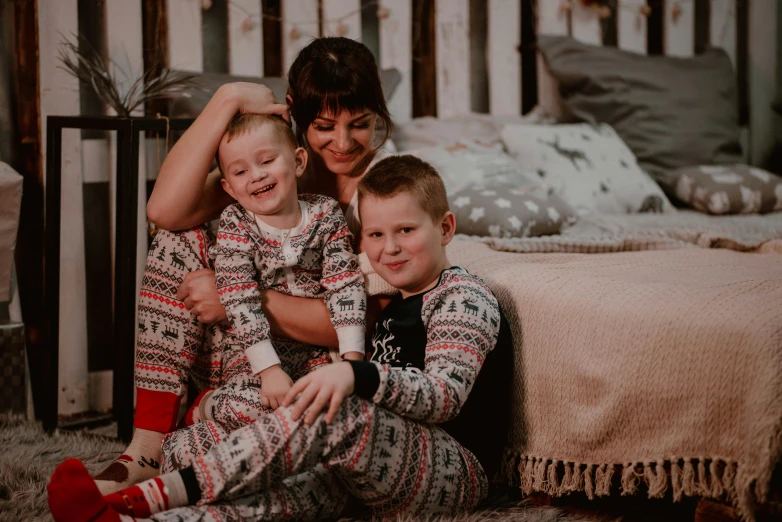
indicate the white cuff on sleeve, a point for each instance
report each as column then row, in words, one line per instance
column 351, row 339
column 261, row 356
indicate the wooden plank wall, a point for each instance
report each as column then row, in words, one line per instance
column 429, row 41
column 59, row 94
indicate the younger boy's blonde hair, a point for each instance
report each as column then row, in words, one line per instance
column 244, row 123
column 397, row 174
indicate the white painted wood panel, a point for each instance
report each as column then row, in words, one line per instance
column 342, row 18
column 299, row 27
column 552, row 19
column 396, row 22
column 585, row 24
column 125, row 39
column 763, row 74
column 453, row 57
column 722, row 27
column 503, row 56
column 631, row 25
column 59, row 95
column 185, row 35
column 245, row 38
column 680, row 28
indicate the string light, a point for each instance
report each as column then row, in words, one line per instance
column 341, row 28
column 603, row 10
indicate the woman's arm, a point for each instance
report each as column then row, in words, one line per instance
column 304, row 319
column 185, row 194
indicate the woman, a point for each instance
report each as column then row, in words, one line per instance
column 336, row 99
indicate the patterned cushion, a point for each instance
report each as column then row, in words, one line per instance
column 510, row 211
column 728, row 189
column 590, row 167
column 468, row 163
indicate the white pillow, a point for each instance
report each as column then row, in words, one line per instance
column 590, row 167
column 466, row 164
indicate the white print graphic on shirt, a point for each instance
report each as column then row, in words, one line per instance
column 385, row 353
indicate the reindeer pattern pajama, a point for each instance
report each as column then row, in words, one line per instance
column 315, row 260
column 396, row 444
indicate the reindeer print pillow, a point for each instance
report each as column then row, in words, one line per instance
column 589, row 167
column 728, row 189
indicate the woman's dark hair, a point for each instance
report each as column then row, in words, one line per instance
column 333, row 74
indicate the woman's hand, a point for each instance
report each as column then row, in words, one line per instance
column 198, row 291
column 326, row 386
column 253, row 98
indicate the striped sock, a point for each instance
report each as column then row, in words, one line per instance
column 151, row 496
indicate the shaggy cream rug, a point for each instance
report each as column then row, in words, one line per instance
column 28, row 458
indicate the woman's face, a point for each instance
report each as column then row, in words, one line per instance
column 341, row 141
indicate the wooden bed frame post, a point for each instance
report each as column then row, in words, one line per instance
column 29, row 246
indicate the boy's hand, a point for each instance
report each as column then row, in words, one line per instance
column 353, row 356
column 275, row 383
column 326, row 386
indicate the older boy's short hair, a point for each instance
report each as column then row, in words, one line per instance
column 396, row 174
column 243, row 123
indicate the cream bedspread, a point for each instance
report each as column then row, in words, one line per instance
column 663, row 365
column 602, row 233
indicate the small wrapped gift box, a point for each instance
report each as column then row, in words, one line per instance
column 13, row 383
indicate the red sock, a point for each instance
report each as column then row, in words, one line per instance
column 74, row 496
column 189, row 421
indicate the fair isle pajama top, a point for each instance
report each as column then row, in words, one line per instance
column 444, row 357
column 314, row 259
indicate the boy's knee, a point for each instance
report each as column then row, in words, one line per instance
column 235, row 405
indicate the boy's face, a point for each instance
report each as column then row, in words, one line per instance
column 260, row 170
column 404, row 245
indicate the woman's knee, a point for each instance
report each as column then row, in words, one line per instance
column 181, row 251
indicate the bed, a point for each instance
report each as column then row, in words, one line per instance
column 662, row 366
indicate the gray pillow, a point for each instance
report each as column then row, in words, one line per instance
column 728, row 189
column 510, row 211
column 671, row 112
column 193, row 103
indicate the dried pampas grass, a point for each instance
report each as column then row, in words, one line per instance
column 82, row 60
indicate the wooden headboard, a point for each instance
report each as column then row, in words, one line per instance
column 454, row 56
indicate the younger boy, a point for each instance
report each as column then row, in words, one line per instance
column 273, row 238
column 417, row 430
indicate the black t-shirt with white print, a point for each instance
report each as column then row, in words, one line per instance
column 444, row 357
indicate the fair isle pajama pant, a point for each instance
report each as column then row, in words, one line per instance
column 274, row 468
column 277, row 468
column 173, row 346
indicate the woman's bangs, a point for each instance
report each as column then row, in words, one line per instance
column 335, row 102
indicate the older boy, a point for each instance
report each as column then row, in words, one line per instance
column 417, row 430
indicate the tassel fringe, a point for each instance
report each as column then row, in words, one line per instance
column 710, row 478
